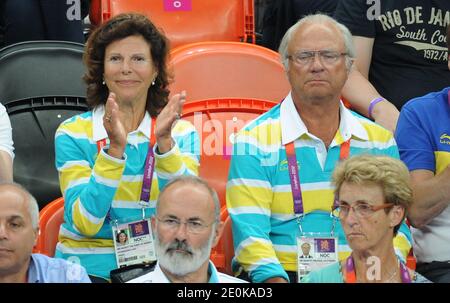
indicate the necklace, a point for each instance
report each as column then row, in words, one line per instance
column 391, row 277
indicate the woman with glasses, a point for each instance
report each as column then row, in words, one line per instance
column 373, row 194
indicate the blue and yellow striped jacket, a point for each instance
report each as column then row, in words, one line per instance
column 98, row 188
column 259, row 197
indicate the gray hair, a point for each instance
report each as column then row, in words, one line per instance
column 319, row 19
column 194, row 180
column 33, row 207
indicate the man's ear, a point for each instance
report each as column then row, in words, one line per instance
column 36, row 235
column 217, row 233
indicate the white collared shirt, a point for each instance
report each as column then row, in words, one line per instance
column 292, row 128
column 158, row 276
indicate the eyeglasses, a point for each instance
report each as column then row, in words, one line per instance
column 192, row 226
column 325, row 56
column 362, row 210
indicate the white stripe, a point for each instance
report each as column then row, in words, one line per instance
column 132, row 178
column 73, row 135
column 168, row 176
column 131, row 204
column 84, row 250
column 373, row 144
column 253, row 142
column 305, row 186
column 285, row 248
column 105, row 181
column 252, row 210
column 91, row 218
column 283, row 217
column 69, row 164
column 68, row 234
column 249, row 241
column 77, row 182
column 249, row 182
column 263, row 261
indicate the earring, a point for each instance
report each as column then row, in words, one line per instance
column 153, row 83
column 103, row 82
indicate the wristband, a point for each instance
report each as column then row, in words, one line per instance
column 372, row 105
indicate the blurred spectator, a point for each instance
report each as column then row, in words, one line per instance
column 26, row 20
column 423, row 136
column 6, row 147
column 400, row 46
column 279, row 16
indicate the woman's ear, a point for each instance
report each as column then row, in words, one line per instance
column 396, row 215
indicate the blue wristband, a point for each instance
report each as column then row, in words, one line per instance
column 372, row 105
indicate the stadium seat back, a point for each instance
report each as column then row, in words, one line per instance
column 50, row 219
column 188, row 21
column 217, row 120
column 41, row 87
column 228, row 70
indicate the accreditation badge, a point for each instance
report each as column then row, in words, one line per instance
column 133, row 243
column 314, row 252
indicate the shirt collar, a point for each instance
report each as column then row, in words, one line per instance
column 33, row 271
column 161, row 277
column 99, row 131
column 292, row 126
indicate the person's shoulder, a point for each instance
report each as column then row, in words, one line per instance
column 375, row 131
column 429, row 103
column 83, row 119
column 224, row 278
column 60, row 270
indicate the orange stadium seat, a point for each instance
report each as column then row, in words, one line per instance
column 50, row 219
column 228, row 70
column 187, row 21
column 216, row 121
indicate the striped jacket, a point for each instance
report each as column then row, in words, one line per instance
column 98, row 188
column 259, row 196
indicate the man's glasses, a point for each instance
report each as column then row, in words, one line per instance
column 192, row 226
column 307, row 57
column 362, row 210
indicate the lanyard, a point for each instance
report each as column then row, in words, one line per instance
column 295, row 177
column 350, row 275
column 149, row 163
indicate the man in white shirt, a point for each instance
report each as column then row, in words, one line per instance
column 186, row 226
column 6, row 147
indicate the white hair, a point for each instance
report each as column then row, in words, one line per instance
column 33, row 207
column 193, row 180
column 181, row 264
column 319, row 19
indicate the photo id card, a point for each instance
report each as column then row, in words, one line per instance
column 314, row 253
column 133, row 243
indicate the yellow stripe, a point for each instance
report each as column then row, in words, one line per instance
column 72, row 174
column 83, row 224
column 402, row 244
column 266, row 134
column 442, row 160
column 248, row 196
column 107, row 168
column 86, row 242
column 131, row 191
column 78, row 126
column 253, row 253
column 190, row 164
column 312, row 200
column 376, row 132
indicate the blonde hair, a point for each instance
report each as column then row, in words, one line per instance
column 391, row 174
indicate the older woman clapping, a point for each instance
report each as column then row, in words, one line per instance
column 373, row 195
column 114, row 160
